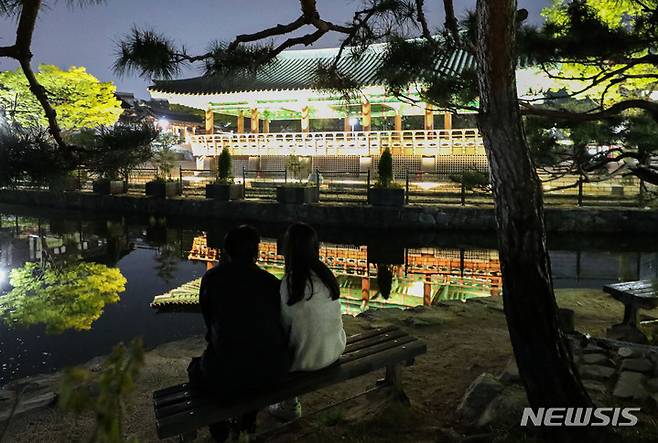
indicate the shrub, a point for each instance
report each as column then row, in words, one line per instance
column 385, row 169
column 224, row 167
column 113, row 152
column 473, row 179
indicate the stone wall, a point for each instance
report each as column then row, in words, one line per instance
column 469, row 218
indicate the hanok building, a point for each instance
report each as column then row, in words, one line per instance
column 267, row 117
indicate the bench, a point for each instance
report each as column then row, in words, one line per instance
column 181, row 410
column 635, row 295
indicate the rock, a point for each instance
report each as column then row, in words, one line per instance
column 626, row 333
column 95, row 364
column 34, row 393
column 637, row 365
column 596, row 372
column 595, row 386
column 652, row 385
column 596, row 359
column 511, row 372
column 566, row 318
column 654, row 397
column 629, row 385
column 628, row 352
column 506, row 408
column 478, row 396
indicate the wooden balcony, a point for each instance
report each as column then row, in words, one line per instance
column 412, row 142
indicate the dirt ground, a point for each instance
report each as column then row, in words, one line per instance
column 463, row 340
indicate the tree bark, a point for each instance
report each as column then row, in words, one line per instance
column 540, row 348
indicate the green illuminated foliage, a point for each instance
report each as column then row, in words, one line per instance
column 601, row 47
column 104, row 392
column 163, row 155
column 80, row 100
column 61, row 298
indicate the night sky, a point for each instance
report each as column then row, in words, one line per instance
column 86, row 37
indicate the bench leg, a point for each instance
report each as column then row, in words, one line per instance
column 393, row 379
column 630, row 314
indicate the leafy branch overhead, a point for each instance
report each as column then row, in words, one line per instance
column 27, row 12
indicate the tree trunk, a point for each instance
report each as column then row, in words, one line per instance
column 540, row 348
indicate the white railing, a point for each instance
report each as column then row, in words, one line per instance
column 414, row 142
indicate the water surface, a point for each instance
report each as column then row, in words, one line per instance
column 67, row 325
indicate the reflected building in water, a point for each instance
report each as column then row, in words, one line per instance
column 421, row 276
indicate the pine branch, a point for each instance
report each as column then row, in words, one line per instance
column 594, row 114
column 266, row 33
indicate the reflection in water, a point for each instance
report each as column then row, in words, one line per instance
column 152, row 255
column 71, row 296
column 425, row 276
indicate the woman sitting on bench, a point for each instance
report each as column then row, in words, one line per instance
column 310, row 310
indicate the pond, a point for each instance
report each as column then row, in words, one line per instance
column 73, row 286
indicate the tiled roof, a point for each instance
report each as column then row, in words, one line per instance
column 296, row 69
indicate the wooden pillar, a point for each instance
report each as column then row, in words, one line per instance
column 447, row 120
column 397, row 120
column 210, row 121
column 306, row 119
column 429, row 117
column 266, row 126
column 346, row 123
column 255, row 121
column 240, row 122
column 366, row 116
column 427, row 291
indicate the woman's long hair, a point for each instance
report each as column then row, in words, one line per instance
column 302, row 254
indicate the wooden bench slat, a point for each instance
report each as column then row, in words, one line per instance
column 354, row 342
column 187, row 394
column 181, row 423
column 631, row 286
column 649, row 292
column 387, row 336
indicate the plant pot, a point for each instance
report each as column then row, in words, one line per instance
column 225, row 191
column 386, row 197
column 109, row 187
column 296, row 195
column 160, row 189
column 63, row 184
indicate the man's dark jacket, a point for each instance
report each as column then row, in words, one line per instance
column 247, row 348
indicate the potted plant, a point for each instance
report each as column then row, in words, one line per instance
column 223, row 188
column 385, row 192
column 296, row 192
column 164, row 158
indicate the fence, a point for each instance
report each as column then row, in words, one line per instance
column 193, row 181
column 422, row 187
column 342, row 186
column 262, row 183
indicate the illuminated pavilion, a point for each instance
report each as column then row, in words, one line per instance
column 266, row 117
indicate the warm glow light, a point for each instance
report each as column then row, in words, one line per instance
column 163, row 123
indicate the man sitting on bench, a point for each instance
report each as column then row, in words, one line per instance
column 247, row 347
